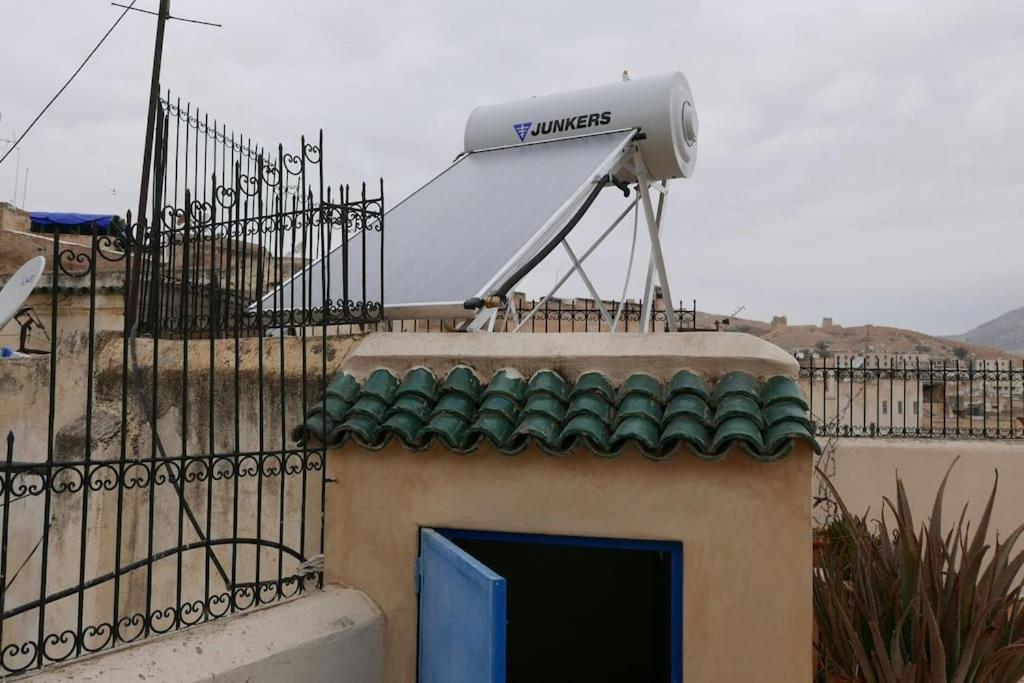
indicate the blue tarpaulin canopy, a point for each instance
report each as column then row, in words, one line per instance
column 71, row 219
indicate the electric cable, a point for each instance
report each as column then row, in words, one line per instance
column 66, row 84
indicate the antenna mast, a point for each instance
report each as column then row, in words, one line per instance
column 147, row 160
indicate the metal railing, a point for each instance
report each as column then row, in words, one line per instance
column 901, row 397
column 234, row 222
column 579, row 315
column 149, row 480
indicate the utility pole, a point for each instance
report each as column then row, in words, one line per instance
column 131, row 309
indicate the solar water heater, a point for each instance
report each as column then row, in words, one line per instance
column 527, row 174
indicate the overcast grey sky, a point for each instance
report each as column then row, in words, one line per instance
column 861, row 160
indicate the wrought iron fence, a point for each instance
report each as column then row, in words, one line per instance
column 579, row 315
column 914, row 397
column 149, row 479
column 224, row 242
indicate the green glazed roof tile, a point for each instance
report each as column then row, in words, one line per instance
column 364, row 429
column 594, row 383
column 589, row 404
column 333, row 407
column 686, row 382
column 337, row 438
column 381, row 384
column 370, row 406
column 419, row 382
column 585, row 426
column 737, row 430
column 641, row 384
column 405, row 426
column 767, row 419
column 507, row 383
column 463, row 381
column 456, row 404
column 451, row 429
column 778, row 388
column 544, row 404
column 638, row 405
column 343, row 386
column 410, row 404
column 316, row 426
column 547, row 382
column 735, row 383
column 783, row 434
column 541, row 427
column 688, row 404
column 494, row 427
column 786, row 410
column 738, row 405
column 688, row 430
column 500, row 404
column 639, row 429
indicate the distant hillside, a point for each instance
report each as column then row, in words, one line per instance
column 870, row 339
column 1005, row 332
column 874, row 339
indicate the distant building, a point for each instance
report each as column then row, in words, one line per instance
column 24, row 235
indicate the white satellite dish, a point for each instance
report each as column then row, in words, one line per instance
column 19, row 287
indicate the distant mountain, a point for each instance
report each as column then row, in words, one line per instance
column 1005, row 332
column 867, row 339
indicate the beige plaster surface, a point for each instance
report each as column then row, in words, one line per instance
column 331, row 636
column 745, row 528
column 866, row 469
column 708, row 353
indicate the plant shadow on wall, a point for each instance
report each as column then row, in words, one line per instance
column 895, row 602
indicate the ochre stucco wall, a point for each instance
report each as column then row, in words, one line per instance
column 866, row 469
column 745, row 528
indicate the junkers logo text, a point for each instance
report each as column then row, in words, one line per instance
column 580, row 122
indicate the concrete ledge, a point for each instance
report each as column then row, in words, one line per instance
column 707, row 353
column 334, row 635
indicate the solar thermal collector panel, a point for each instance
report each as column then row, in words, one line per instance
column 466, row 230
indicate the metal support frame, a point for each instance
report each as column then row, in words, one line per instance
column 647, row 308
column 562, row 280
column 485, row 318
column 657, row 257
column 586, row 281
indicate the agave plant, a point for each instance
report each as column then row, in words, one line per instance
column 895, row 603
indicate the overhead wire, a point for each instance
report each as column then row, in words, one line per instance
column 68, row 82
column 171, row 18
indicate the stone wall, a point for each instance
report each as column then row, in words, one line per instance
column 13, row 218
column 195, row 415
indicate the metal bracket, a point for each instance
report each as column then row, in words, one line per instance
column 484, row 318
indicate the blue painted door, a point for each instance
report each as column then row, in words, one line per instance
column 462, row 615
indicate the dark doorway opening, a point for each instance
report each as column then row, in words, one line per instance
column 586, row 609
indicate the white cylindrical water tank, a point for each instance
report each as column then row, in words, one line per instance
column 661, row 107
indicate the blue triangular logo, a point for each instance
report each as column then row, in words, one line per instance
column 523, row 129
